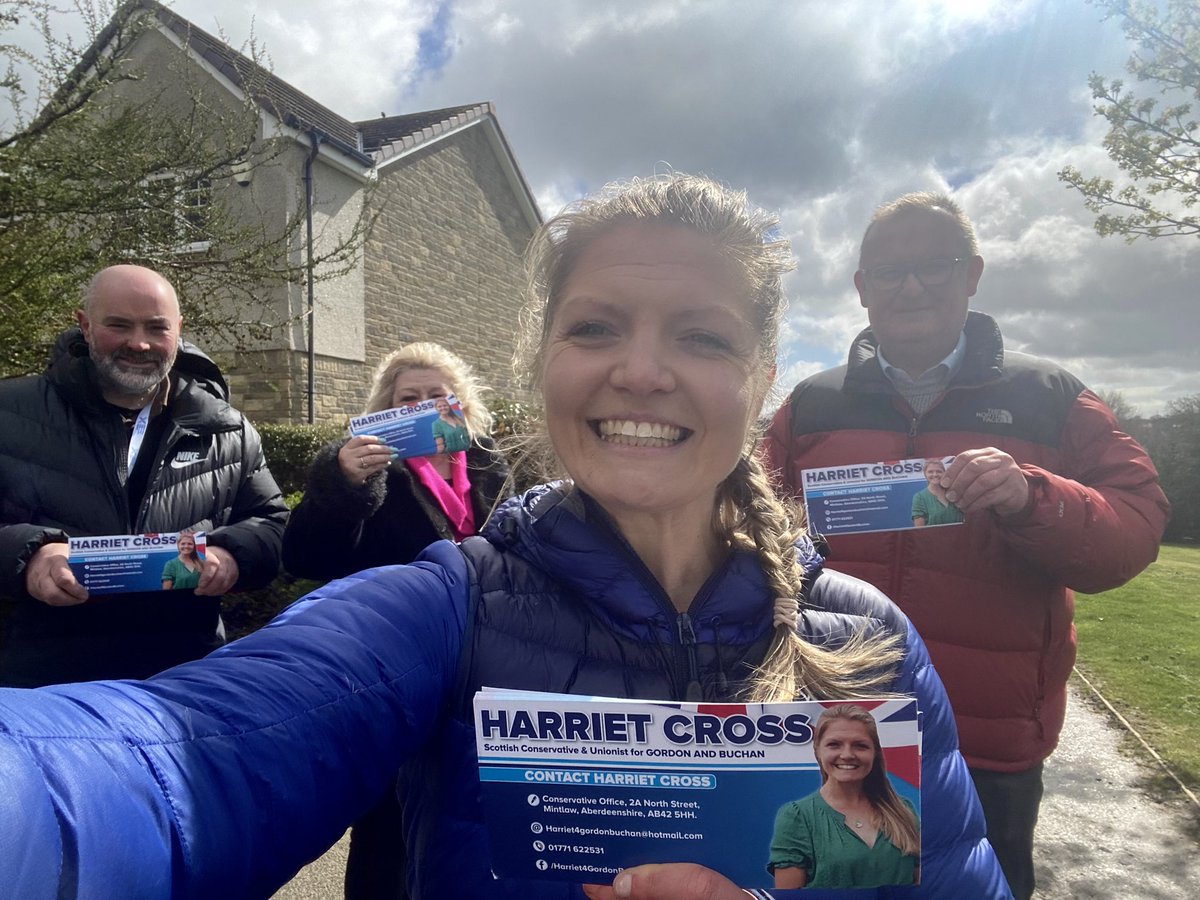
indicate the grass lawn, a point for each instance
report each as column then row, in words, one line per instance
column 1140, row 645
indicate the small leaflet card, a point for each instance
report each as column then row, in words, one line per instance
column 880, row 496
column 423, row 429
column 578, row 788
column 122, row 563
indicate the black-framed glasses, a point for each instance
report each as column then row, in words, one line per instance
column 930, row 272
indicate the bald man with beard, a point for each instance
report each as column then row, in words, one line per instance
column 128, row 431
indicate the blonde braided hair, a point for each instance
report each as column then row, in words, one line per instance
column 751, row 517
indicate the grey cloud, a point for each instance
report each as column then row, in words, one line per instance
column 821, row 111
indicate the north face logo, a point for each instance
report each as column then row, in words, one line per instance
column 994, row 416
column 185, row 458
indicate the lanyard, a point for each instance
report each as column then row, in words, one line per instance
column 138, row 434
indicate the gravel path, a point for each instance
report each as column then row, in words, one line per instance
column 320, row 879
column 1101, row 835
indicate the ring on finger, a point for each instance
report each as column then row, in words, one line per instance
column 362, row 462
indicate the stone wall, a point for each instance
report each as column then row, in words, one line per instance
column 267, row 385
column 444, row 262
column 272, row 386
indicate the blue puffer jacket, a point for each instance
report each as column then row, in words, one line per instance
column 221, row 777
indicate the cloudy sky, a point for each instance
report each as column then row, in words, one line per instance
column 821, row 110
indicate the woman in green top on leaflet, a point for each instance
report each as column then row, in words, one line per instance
column 449, row 429
column 856, row 831
column 930, row 506
column 183, row 572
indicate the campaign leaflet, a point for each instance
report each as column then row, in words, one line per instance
column 417, row 430
column 121, row 563
column 578, row 788
column 880, row 496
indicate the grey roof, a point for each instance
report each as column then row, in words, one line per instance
column 380, row 133
column 389, row 135
column 291, row 106
column 370, row 142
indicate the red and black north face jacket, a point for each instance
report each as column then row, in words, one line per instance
column 993, row 598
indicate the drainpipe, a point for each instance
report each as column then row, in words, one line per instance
column 315, row 137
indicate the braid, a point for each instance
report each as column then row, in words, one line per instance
column 762, row 524
column 753, row 518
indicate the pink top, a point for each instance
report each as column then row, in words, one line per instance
column 454, row 497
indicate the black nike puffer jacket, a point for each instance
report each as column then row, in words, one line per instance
column 60, row 449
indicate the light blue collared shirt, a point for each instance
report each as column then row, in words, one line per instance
column 923, row 391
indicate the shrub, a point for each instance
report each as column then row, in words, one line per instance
column 512, row 417
column 290, row 450
column 514, row 420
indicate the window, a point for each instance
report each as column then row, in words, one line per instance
column 175, row 212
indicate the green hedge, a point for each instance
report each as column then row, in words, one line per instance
column 512, row 417
column 512, row 421
column 290, row 450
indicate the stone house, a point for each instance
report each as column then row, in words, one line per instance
column 451, row 213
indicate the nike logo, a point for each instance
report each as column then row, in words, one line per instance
column 185, row 458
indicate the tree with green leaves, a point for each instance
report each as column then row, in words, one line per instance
column 1153, row 135
column 105, row 158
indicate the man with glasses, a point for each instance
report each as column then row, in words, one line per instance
column 1055, row 497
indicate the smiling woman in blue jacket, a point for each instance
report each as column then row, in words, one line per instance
column 662, row 568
